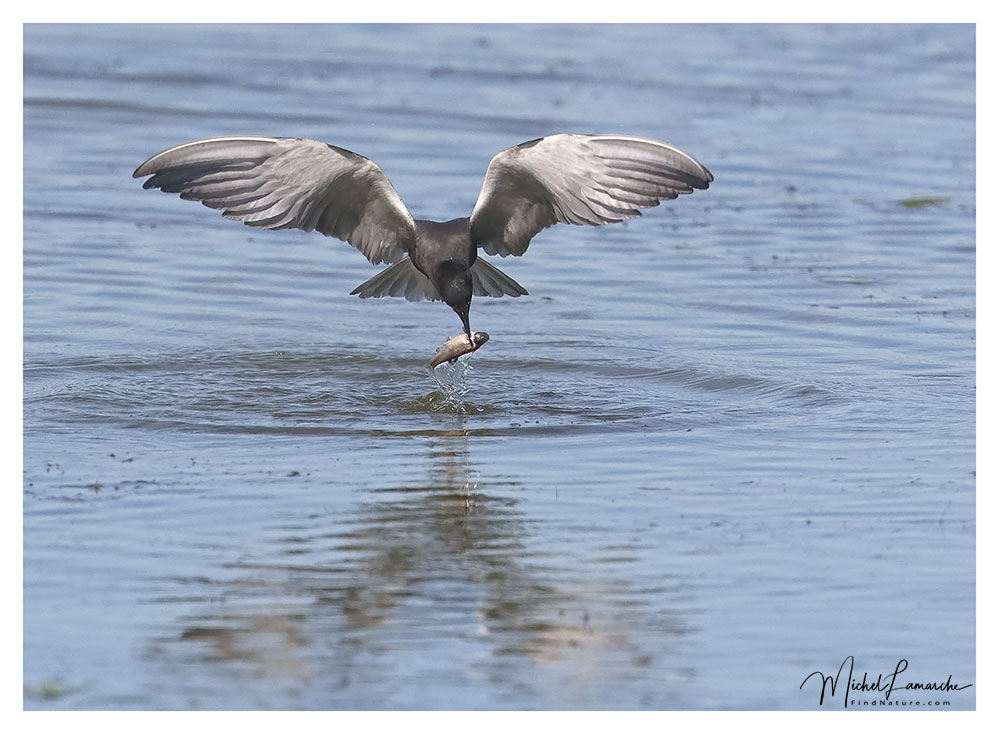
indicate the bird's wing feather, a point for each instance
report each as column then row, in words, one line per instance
column 576, row 179
column 402, row 280
column 488, row 280
column 281, row 183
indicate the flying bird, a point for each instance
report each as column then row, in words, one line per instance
column 297, row 183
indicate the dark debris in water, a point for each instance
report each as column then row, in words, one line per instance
column 923, row 202
column 51, row 690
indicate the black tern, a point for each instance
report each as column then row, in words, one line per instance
column 284, row 183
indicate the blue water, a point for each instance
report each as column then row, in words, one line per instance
column 718, row 448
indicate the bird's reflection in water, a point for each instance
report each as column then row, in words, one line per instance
column 438, row 581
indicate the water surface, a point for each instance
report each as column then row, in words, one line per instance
column 716, row 449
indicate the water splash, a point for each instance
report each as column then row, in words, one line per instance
column 452, row 379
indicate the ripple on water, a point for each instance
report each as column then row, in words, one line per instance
column 357, row 392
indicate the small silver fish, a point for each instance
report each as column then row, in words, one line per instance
column 458, row 346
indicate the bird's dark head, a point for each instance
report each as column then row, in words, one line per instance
column 454, row 283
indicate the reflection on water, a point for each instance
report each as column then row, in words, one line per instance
column 435, row 563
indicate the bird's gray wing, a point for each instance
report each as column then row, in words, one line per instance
column 488, row 280
column 281, row 183
column 402, row 280
column 577, row 179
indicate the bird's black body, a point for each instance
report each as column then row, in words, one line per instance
column 282, row 183
column 445, row 253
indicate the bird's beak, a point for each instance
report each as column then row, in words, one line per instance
column 464, row 322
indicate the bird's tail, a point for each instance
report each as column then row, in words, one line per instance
column 488, row 280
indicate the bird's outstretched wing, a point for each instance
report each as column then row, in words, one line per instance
column 577, row 179
column 281, row 183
